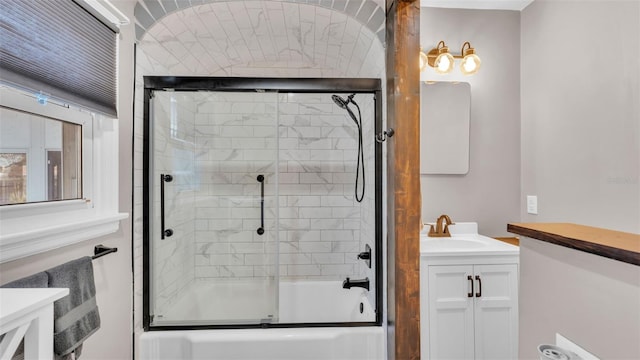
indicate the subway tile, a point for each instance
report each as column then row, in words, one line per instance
column 327, row 189
column 226, row 259
column 324, row 224
column 345, row 246
column 295, row 259
column 316, row 178
column 303, row 270
column 315, row 213
column 292, row 189
column 328, row 258
column 303, row 235
column 303, row 201
column 334, row 201
column 236, row 271
column 337, row 235
column 247, row 248
column 207, row 271
column 342, row 270
column 295, row 224
column 315, row 247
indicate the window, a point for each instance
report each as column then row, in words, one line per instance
column 40, row 158
column 33, row 171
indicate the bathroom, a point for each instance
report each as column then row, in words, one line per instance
column 536, row 129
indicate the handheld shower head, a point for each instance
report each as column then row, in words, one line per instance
column 342, row 103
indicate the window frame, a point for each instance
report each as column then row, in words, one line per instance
column 31, row 228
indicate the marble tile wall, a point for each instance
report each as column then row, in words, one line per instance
column 314, row 144
column 320, row 225
column 236, row 138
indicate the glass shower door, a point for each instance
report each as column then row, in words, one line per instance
column 213, row 229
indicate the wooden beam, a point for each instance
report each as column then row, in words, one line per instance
column 403, row 179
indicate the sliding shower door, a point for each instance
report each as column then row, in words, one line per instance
column 212, row 227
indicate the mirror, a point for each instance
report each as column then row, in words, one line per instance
column 40, row 158
column 445, row 109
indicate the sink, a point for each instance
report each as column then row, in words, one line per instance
column 453, row 243
column 464, row 240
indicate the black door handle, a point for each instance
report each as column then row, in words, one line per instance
column 164, row 232
column 479, row 293
column 260, row 179
column 470, row 278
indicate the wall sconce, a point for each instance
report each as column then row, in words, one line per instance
column 442, row 61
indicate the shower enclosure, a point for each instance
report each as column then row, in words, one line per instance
column 262, row 202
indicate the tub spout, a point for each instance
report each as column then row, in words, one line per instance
column 363, row 283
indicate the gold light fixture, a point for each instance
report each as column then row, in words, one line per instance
column 442, row 61
column 470, row 61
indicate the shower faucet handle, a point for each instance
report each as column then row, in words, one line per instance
column 366, row 255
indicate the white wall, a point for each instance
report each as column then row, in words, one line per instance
column 581, row 157
column 591, row 300
column 581, row 112
column 489, row 193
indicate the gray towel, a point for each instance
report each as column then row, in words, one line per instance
column 75, row 315
column 39, row 280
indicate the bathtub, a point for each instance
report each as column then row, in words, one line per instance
column 300, row 302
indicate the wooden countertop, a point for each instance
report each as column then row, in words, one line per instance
column 615, row 245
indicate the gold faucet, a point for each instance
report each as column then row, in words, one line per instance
column 440, row 230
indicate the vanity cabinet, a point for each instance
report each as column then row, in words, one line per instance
column 468, row 296
column 470, row 310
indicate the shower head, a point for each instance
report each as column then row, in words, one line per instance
column 340, row 101
column 344, row 104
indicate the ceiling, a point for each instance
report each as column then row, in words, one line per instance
column 478, row 4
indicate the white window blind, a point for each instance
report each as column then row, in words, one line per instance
column 60, row 49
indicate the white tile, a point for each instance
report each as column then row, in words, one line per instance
column 303, row 235
column 315, row 213
column 247, row 248
column 303, row 201
column 337, row 235
column 345, row 246
column 334, row 201
column 316, row 178
column 330, row 258
column 315, row 247
column 346, row 269
column 295, row 259
column 324, row 224
column 303, row 270
column 236, row 271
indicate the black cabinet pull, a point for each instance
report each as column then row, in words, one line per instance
column 260, row 179
column 470, row 294
column 479, row 293
column 164, row 232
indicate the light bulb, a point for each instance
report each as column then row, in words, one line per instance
column 470, row 64
column 444, row 63
column 423, row 60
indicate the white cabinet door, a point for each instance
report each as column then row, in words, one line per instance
column 450, row 318
column 496, row 311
